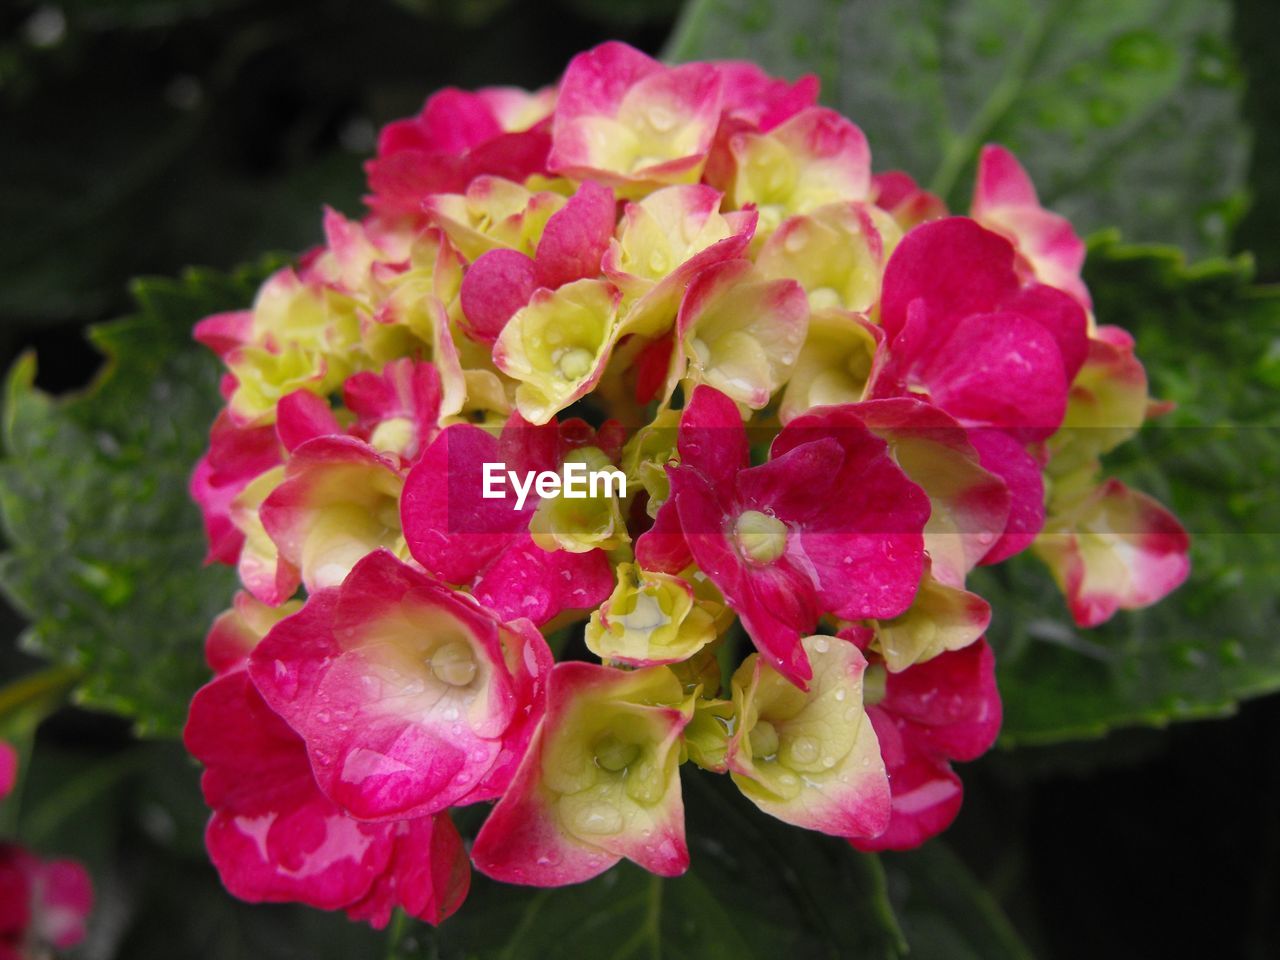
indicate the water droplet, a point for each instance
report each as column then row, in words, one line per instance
column 804, row 749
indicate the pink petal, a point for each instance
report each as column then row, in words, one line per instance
column 64, row 900
column 1008, row 459
column 712, row 438
column 951, row 701
column 273, row 836
column 389, row 738
column 926, row 792
column 303, row 416
column 575, row 237
column 527, row 581
column 498, row 284
column 428, row 875
column 452, row 530
column 954, row 266
column 1125, row 552
column 1001, row 369
column 223, row 332
column 8, row 769
column 764, row 101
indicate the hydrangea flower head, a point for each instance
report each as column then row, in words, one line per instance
column 829, row 400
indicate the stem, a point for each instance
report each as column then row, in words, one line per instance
column 399, row 924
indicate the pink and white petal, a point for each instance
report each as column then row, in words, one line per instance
column 398, row 410
column 1002, row 182
column 754, row 96
column 903, row 199
column 238, row 630
column 927, row 794
column 273, row 836
column 826, row 773
column 428, row 875
column 338, row 502
column 969, row 505
column 1005, row 200
column 64, row 899
column 223, row 332
column 389, row 735
column 1121, row 551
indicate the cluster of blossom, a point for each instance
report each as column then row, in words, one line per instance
column 43, row 903
column 838, row 400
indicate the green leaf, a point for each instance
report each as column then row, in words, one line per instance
column 105, row 545
column 945, row 913
column 1211, row 343
column 756, row 889
column 1125, row 113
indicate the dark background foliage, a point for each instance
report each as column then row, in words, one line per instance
column 138, row 137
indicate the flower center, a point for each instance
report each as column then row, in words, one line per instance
column 574, row 363
column 454, row 664
column 764, row 740
column 615, row 755
column 760, row 537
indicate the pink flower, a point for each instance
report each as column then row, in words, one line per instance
column 236, row 456
column 964, row 331
column 627, row 121
column 600, row 782
column 829, row 525
column 753, row 97
column 810, row 759
column 969, row 505
column 239, row 629
column 43, row 904
column 1114, row 549
column 466, row 539
column 274, row 837
column 1004, row 200
column 502, row 280
column 813, row 158
column 943, row 709
column 458, row 136
column 338, row 501
column 410, row 697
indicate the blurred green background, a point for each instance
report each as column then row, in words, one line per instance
column 139, row 137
